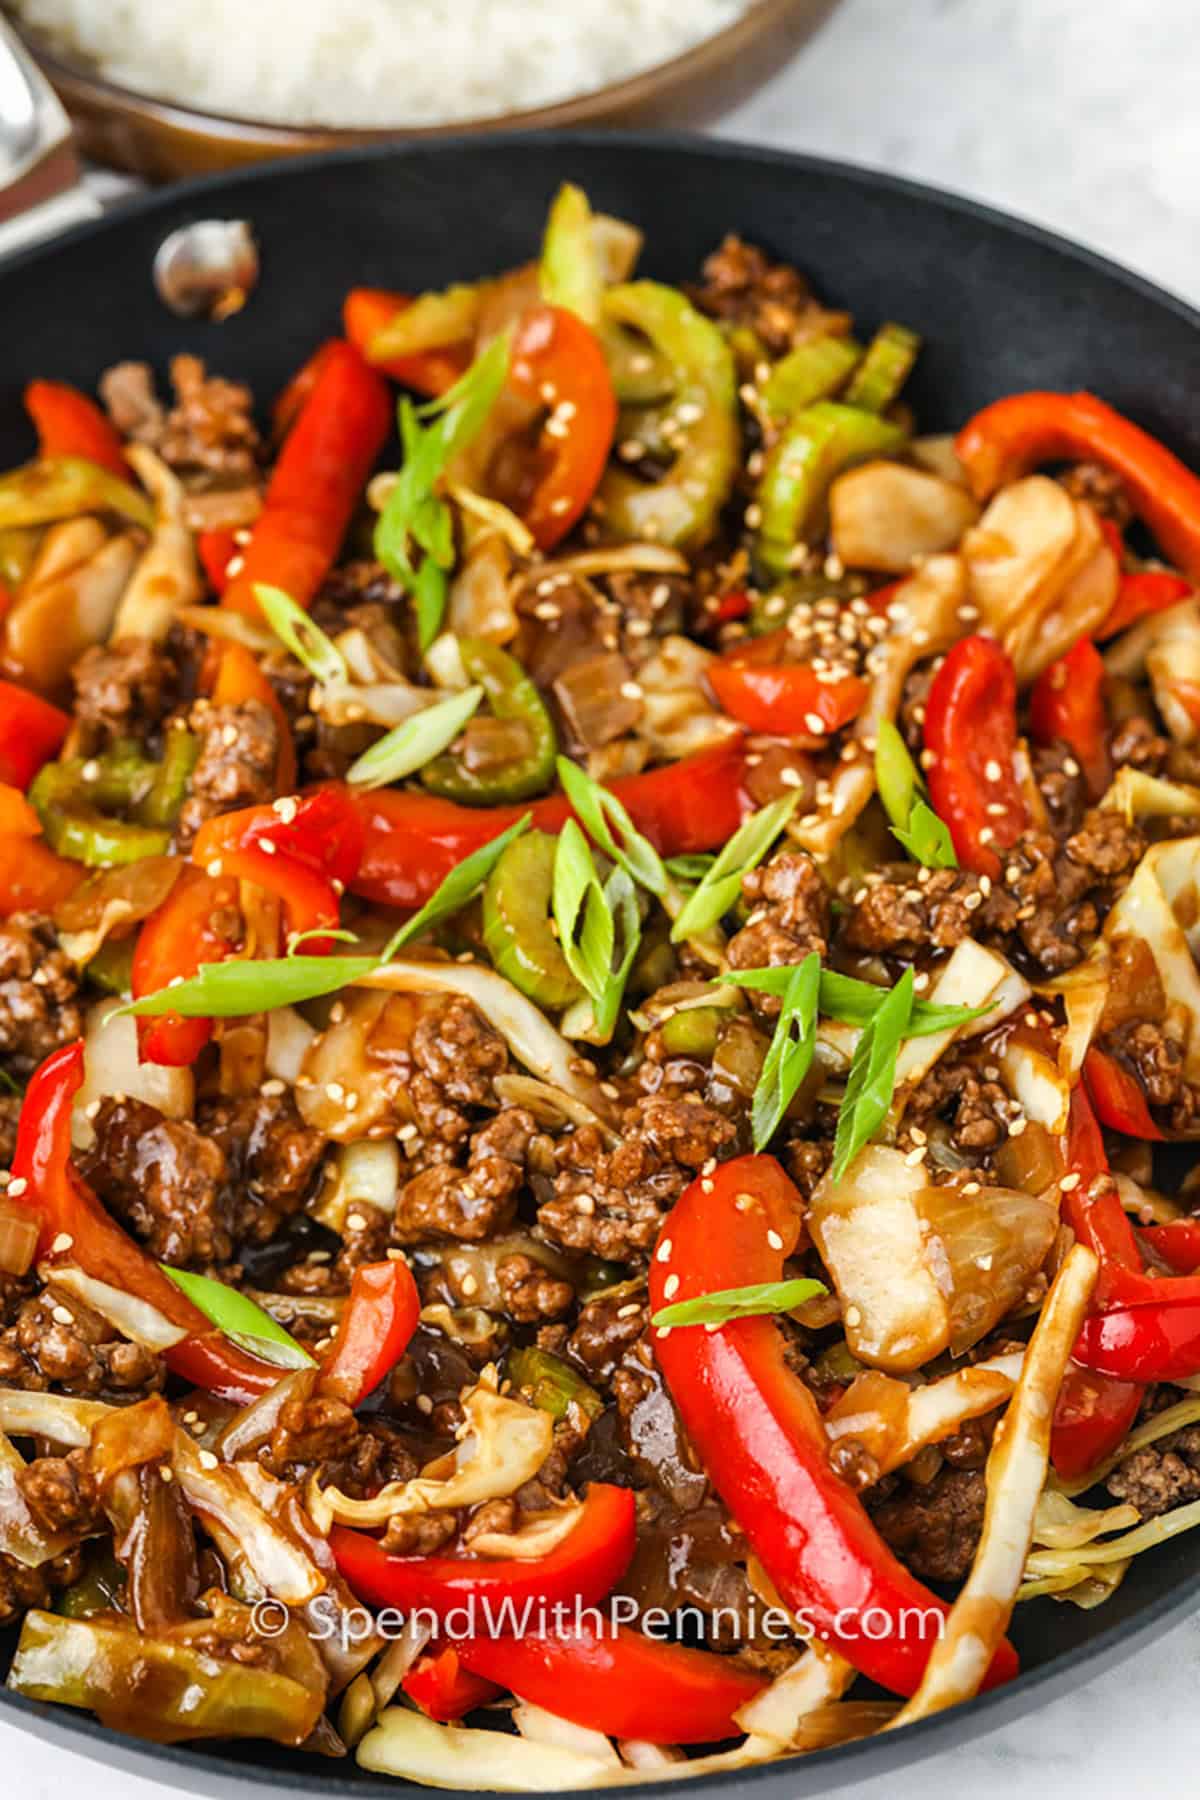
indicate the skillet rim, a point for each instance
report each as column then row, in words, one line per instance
column 198, row 1770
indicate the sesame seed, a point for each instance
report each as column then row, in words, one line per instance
column 424, row 1404
column 272, row 1087
column 268, row 846
column 853, row 1316
column 214, row 867
column 987, row 835
column 17, row 1186
column 630, row 690
column 62, row 1315
column 1069, row 1183
column 630, row 1310
column 469, row 1286
column 815, row 723
column 62, row 1243
column 355, row 1222
column 992, row 769
column 775, row 1241
column 663, row 1253
column 670, row 1287
column 1070, row 766
column 707, row 1186
column 208, row 1460
column 915, row 1157
column 1017, row 1127
column 334, row 1090
column 663, row 1331
column 167, row 1475
column 972, row 1187
column 91, row 770
column 286, row 808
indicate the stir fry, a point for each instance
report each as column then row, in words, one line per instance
column 598, row 970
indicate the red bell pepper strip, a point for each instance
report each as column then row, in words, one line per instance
column 197, row 923
column 1093, row 1414
column 1013, row 436
column 1154, row 1342
column 239, row 678
column 33, row 878
column 292, row 399
column 68, row 423
column 617, row 1681
column 216, row 550
column 1118, row 1097
column 32, row 732
column 304, row 854
column 366, row 312
column 584, row 1568
column 559, row 361
column 1094, row 1411
column 1141, row 594
column 731, row 607
column 413, row 840
column 316, row 483
column 444, row 1690
column 1178, row 1244
column 971, row 732
column 376, row 1327
column 17, row 817
column 1067, row 706
column 754, row 687
column 760, row 1438
column 45, row 1181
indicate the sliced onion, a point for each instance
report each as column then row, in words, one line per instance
column 593, row 701
column 970, row 978
column 1144, row 915
column 497, row 517
column 1016, row 1473
column 21, row 1536
column 110, row 899
column 678, row 717
column 167, row 578
column 52, row 622
column 230, row 627
column 987, row 1247
column 1037, row 1084
column 407, row 1744
column 542, row 1727
column 634, row 559
column 1138, row 795
column 59, row 1417
column 886, row 516
column 135, row 1319
column 363, row 1173
column 277, row 1560
column 111, row 1067
column 550, row 1106
column 289, row 1038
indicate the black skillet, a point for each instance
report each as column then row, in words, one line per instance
column 1003, row 307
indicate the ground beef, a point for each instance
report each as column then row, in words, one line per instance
column 22, row 1589
column 743, row 286
column 607, row 1327
column 39, row 1008
column 357, row 585
column 956, row 1090
column 272, row 1158
column 1161, row 1476
column 122, row 690
column 239, row 748
column 529, row 1293
column 208, row 437
column 1154, row 1058
column 1053, row 902
column 445, row 1074
column 935, row 1529
column 909, row 913
column 474, row 1203
column 313, row 1429
column 1136, row 744
column 164, row 1179
column 60, row 1492
column 789, row 917
column 1061, row 784
column 77, row 1351
column 1102, row 488
column 365, row 1239
column 611, row 1202
column 649, row 607
column 419, row 1534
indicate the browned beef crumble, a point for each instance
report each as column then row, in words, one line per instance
column 208, row 436
column 957, row 1089
column 529, row 1293
column 1102, row 488
column 164, row 1179
column 239, row 749
column 122, row 690
column 1163, row 1475
column 39, row 993
column 365, row 1238
column 271, row 1155
column 10, row 1113
column 61, row 1493
column 789, row 918
column 85, row 1357
column 612, row 1201
column 443, row 1076
column 935, row 1529
column 742, row 285
column 471, row 1203
column 607, row 1327
column 22, row 1589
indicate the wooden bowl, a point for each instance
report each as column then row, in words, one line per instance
column 162, row 141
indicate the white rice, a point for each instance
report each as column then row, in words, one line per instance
column 374, row 62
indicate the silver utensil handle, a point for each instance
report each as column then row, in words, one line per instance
column 40, row 189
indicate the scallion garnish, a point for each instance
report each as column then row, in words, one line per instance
column 791, row 1052
column 872, row 1078
column 740, row 1303
column 297, row 633
column 721, row 885
column 915, row 825
column 410, row 746
column 239, row 1317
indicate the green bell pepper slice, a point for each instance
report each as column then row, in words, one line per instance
column 812, row 371
column 511, row 695
column 551, row 1384
column 883, row 371
column 62, row 487
column 818, row 443
column 164, row 802
column 570, row 274
column 517, row 923
column 73, row 808
column 683, row 508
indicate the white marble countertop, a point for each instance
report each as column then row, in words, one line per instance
column 1080, row 114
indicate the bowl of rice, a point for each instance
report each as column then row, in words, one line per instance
column 201, row 85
